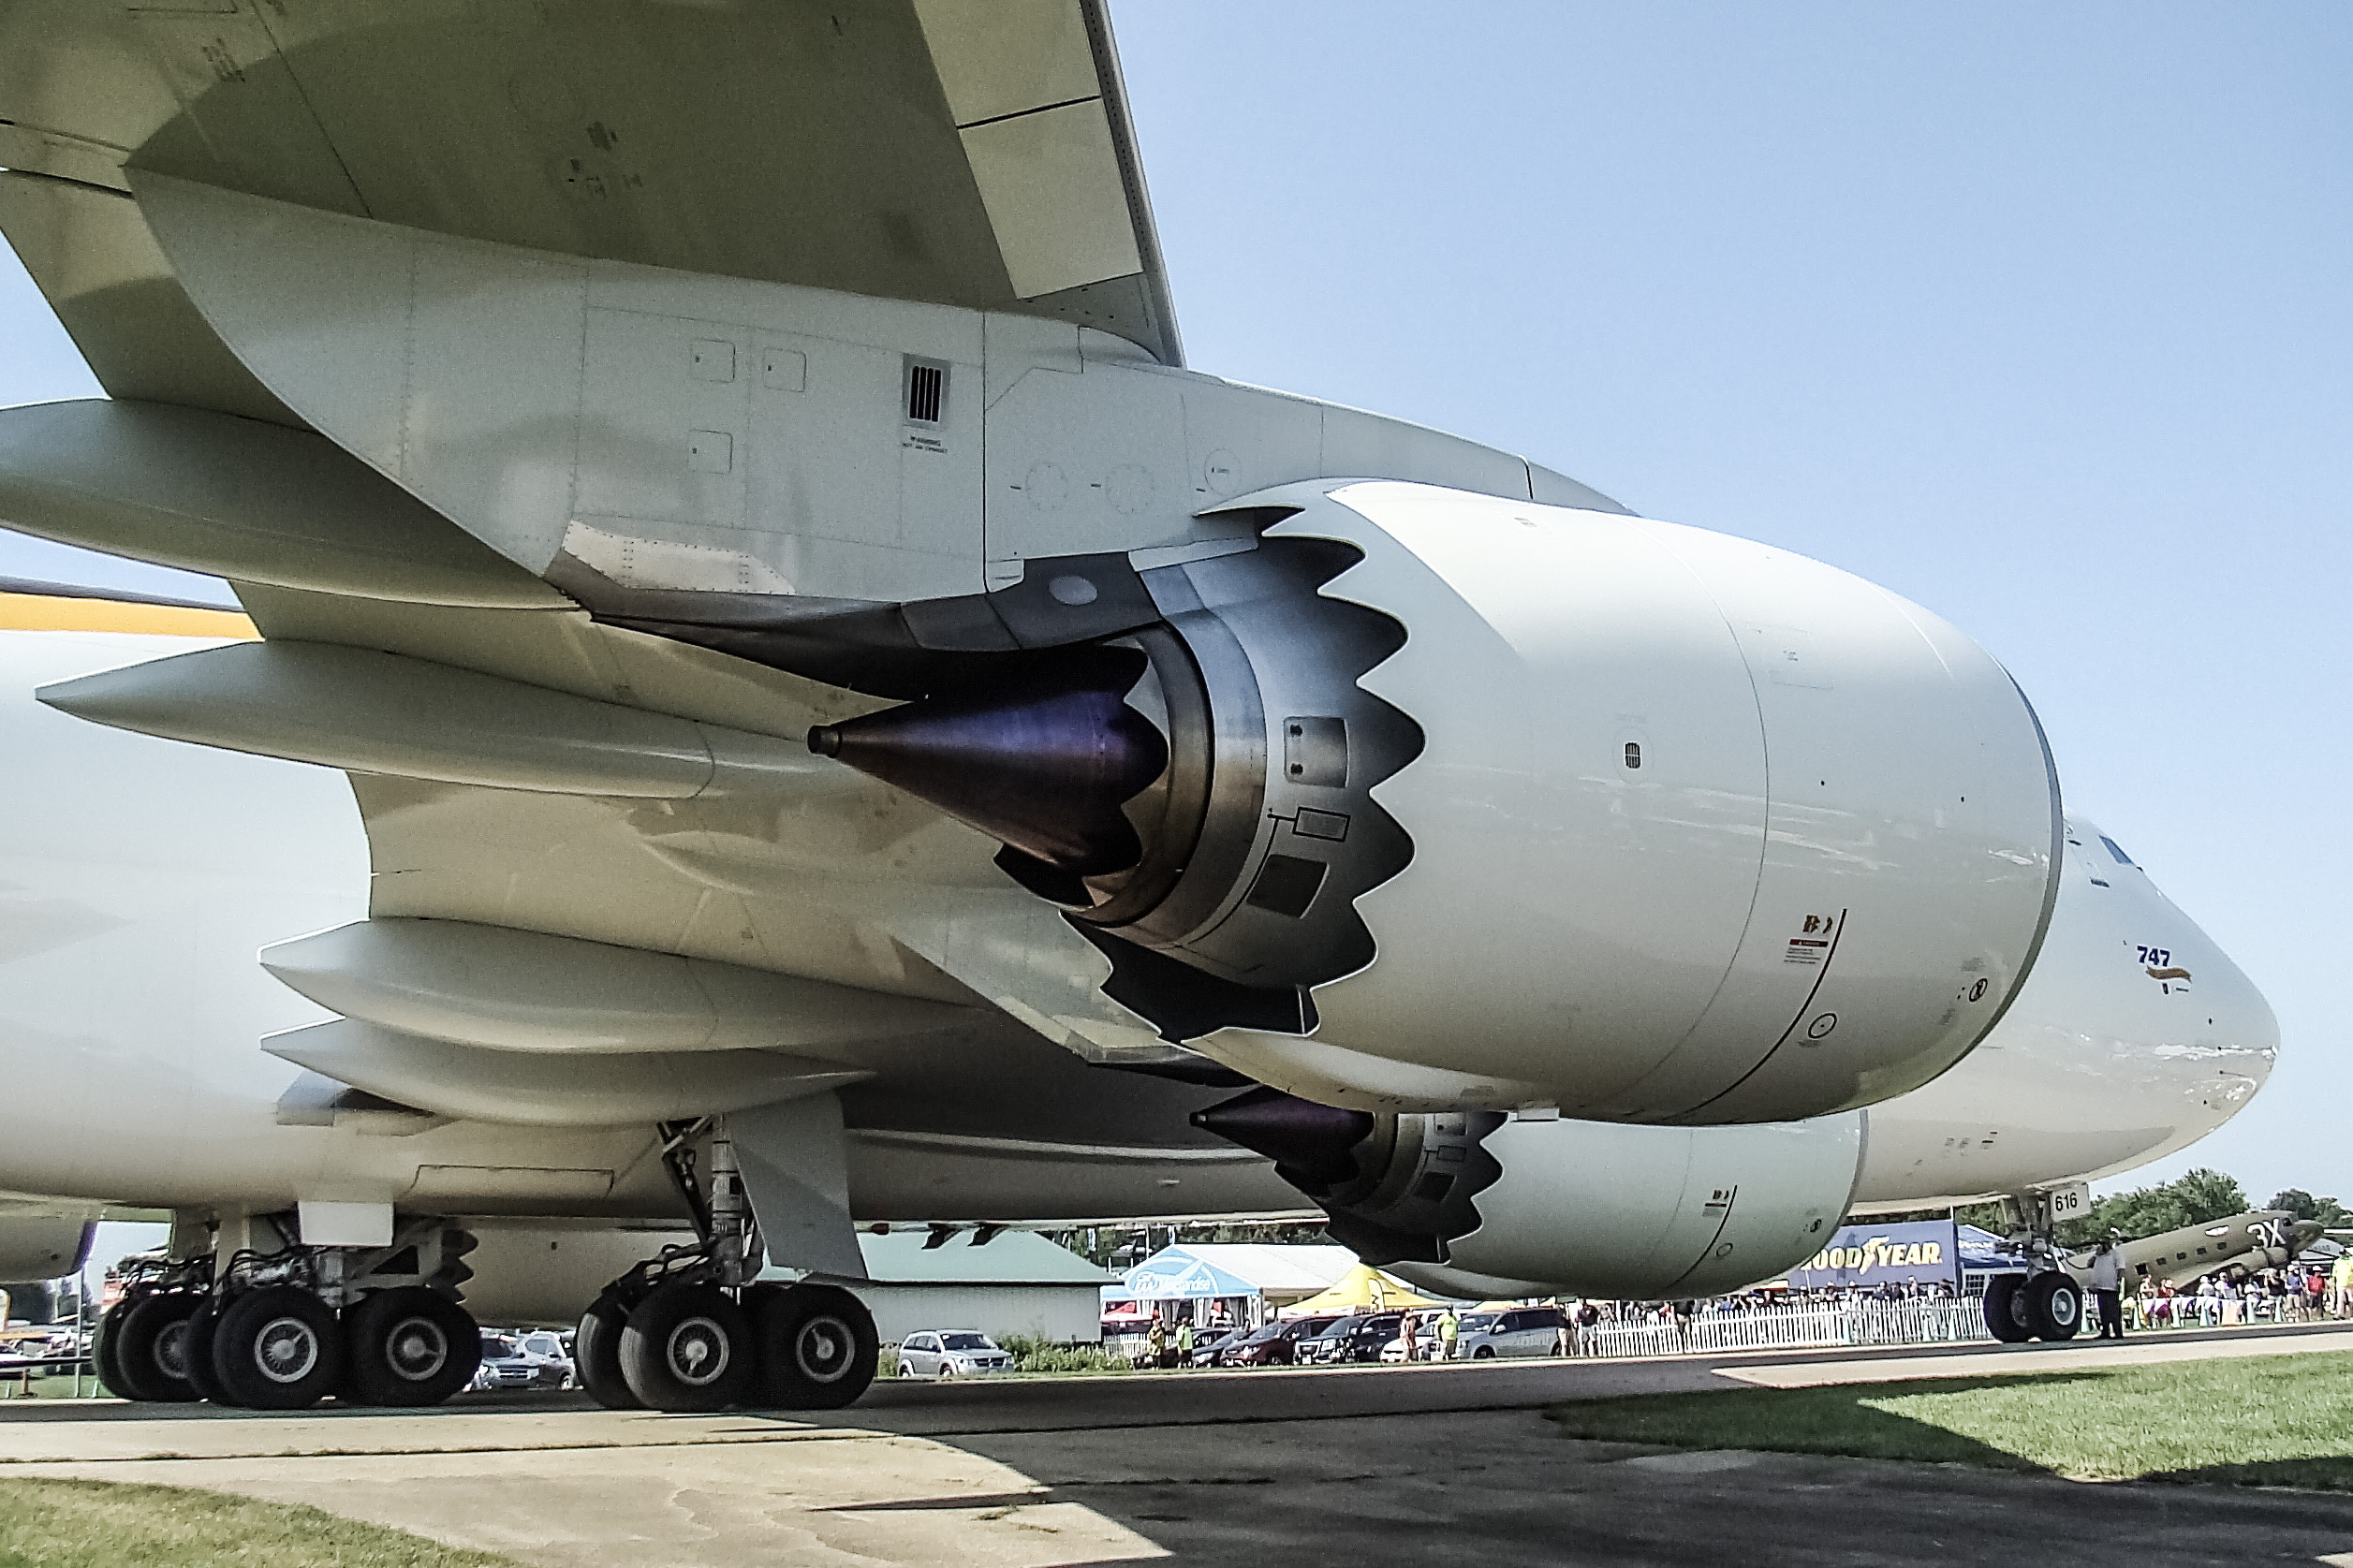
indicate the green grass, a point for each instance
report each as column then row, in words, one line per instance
column 2266, row 1421
column 106, row 1524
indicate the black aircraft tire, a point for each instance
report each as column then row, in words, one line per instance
column 203, row 1327
column 818, row 1347
column 2002, row 1307
column 152, row 1348
column 410, row 1346
column 687, row 1348
column 596, row 1354
column 278, row 1348
column 106, row 1352
column 2054, row 1304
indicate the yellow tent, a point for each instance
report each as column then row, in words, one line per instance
column 1361, row 1289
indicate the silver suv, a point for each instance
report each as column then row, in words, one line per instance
column 1520, row 1332
column 951, row 1352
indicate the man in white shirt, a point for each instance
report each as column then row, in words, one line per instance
column 2108, row 1277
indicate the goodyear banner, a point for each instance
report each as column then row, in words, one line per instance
column 1867, row 1255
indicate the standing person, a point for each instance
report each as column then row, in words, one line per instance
column 2108, row 1275
column 1588, row 1326
column 1158, row 1341
column 1450, row 1329
column 1185, row 1343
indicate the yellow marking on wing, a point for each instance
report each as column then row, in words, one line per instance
column 45, row 613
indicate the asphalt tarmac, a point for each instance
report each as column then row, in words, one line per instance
column 1436, row 1465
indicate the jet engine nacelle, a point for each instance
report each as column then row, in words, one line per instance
column 1436, row 800
column 42, row 1247
column 1471, row 1203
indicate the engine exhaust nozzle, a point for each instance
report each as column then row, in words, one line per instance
column 1310, row 1144
column 1042, row 763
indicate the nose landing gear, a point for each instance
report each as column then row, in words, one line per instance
column 2022, row 1307
column 2045, row 1302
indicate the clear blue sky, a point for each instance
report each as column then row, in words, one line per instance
column 2038, row 315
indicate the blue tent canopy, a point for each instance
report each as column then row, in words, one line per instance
column 1983, row 1250
column 1173, row 1276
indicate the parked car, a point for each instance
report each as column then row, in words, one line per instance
column 1520, row 1332
column 1207, row 1342
column 1276, row 1345
column 1362, row 1337
column 951, row 1352
column 1354, row 1339
column 536, row 1359
column 1320, row 1348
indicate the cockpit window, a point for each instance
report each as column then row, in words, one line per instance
column 2122, row 859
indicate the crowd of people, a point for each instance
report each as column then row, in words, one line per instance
column 2299, row 1293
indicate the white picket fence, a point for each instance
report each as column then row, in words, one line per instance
column 1859, row 1323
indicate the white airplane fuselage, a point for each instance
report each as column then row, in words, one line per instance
column 139, row 877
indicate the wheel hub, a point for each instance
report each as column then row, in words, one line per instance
column 824, row 1349
column 416, row 1349
column 698, row 1352
column 171, row 1350
column 286, row 1350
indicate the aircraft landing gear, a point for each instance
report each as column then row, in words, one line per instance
column 2044, row 1303
column 2053, row 1303
column 278, row 1348
column 687, row 1347
column 817, row 1346
column 688, row 1330
column 150, row 1352
column 408, row 1346
column 597, row 1352
column 2002, row 1315
column 282, row 1330
column 195, row 1349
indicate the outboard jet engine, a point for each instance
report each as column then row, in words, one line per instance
column 1473, row 1204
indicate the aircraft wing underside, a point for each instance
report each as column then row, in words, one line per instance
column 953, row 151
column 935, row 152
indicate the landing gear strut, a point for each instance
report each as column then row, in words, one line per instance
column 690, row 1330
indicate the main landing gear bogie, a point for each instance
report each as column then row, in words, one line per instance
column 687, row 1344
column 693, row 1329
column 285, row 1329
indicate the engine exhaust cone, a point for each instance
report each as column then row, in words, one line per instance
column 1042, row 765
column 1310, row 1144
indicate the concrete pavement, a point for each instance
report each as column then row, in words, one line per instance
column 1441, row 1464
